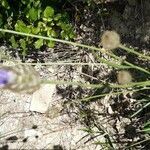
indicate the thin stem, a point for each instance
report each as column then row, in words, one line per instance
column 110, row 63
column 137, row 67
column 52, row 39
column 137, row 143
column 134, row 52
column 72, row 83
column 110, row 94
column 130, row 64
column 76, row 44
column 60, row 63
column 67, row 42
column 137, row 84
column 132, row 84
column 140, row 110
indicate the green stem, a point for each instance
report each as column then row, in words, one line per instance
column 137, row 84
column 132, row 84
column 76, row 44
column 137, row 143
column 110, row 94
column 52, row 39
column 64, row 63
column 134, row 52
column 110, row 63
column 140, row 110
column 130, row 64
column 72, row 83
column 137, row 67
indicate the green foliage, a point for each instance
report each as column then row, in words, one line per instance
column 34, row 17
column 48, row 12
column 147, row 127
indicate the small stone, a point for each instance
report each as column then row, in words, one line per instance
column 5, row 147
column 110, row 111
column 42, row 98
column 12, row 139
column 34, row 127
column 25, row 140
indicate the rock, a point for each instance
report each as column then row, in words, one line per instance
column 42, row 98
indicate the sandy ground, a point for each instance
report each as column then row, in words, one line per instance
column 21, row 128
column 34, row 130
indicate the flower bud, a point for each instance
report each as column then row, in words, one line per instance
column 110, row 40
column 124, row 77
column 19, row 78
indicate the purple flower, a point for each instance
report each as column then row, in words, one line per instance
column 4, row 76
column 19, row 78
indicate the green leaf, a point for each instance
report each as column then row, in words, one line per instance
column 1, row 35
column 23, row 44
column 66, row 26
column 147, row 127
column 47, row 19
column 72, row 35
column 41, row 24
column 33, row 14
column 48, row 12
column 35, row 30
column 24, row 1
column 64, row 35
column 51, row 44
column 1, row 20
column 13, row 42
column 21, row 26
column 5, row 4
column 39, row 13
column 24, row 53
column 57, row 17
column 51, row 33
column 36, row 3
column 38, row 43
